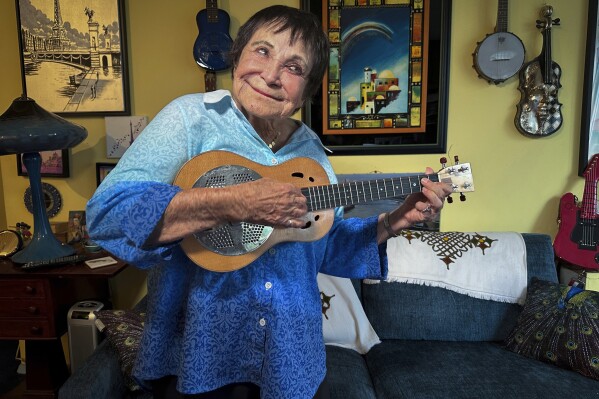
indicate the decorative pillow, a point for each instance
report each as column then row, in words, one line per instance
column 559, row 325
column 123, row 329
column 343, row 319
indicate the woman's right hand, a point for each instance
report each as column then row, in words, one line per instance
column 269, row 202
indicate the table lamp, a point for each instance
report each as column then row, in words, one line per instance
column 26, row 128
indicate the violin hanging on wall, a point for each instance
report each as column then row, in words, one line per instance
column 539, row 110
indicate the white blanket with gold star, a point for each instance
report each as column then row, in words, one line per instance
column 482, row 265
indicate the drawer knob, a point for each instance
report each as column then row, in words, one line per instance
column 36, row 330
column 33, row 309
column 29, row 289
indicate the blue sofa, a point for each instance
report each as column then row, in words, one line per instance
column 435, row 344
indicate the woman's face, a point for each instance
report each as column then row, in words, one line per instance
column 271, row 75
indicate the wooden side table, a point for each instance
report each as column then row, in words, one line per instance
column 34, row 307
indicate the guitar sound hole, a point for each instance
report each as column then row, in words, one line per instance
column 299, row 175
column 307, row 225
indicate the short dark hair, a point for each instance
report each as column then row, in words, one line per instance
column 303, row 25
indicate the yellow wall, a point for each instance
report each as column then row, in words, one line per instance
column 518, row 180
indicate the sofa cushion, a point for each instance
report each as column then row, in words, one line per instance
column 559, row 325
column 123, row 329
column 434, row 313
column 344, row 322
column 347, row 375
column 435, row 369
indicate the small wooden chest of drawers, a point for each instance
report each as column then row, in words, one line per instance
column 26, row 309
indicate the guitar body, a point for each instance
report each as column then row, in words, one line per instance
column 578, row 234
column 232, row 246
column 499, row 57
column 212, row 45
column 576, row 240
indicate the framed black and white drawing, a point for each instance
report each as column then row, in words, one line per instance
column 589, row 134
column 74, row 55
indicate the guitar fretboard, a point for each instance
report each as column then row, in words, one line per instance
column 212, row 11
column 355, row 192
column 588, row 208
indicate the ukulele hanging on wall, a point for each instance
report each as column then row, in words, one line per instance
column 539, row 111
column 211, row 47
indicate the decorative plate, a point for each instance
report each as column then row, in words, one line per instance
column 10, row 242
column 52, row 198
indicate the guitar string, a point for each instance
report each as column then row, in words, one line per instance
column 588, row 229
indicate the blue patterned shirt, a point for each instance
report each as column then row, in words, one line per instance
column 260, row 324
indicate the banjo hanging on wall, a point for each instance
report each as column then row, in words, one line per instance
column 501, row 54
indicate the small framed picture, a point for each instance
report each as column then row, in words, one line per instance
column 77, row 230
column 54, row 164
column 102, row 170
column 120, row 133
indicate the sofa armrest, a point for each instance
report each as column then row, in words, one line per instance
column 98, row 377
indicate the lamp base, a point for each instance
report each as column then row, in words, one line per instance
column 44, row 245
column 44, row 249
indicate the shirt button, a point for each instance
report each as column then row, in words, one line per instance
column 272, row 251
column 262, row 322
column 268, row 285
column 274, row 161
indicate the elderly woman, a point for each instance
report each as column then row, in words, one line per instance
column 257, row 331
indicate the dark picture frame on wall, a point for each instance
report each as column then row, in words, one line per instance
column 102, row 170
column 54, row 164
column 74, row 56
column 386, row 88
column 589, row 134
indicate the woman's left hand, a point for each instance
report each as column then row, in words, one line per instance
column 417, row 207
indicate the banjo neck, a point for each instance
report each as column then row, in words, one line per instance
column 502, row 13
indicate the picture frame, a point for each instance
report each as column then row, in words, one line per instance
column 379, row 126
column 77, row 227
column 54, row 164
column 589, row 134
column 102, row 170
column 75, row 63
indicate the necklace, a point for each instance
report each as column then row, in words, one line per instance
column 274, row 141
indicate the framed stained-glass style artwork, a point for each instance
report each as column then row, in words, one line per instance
column 385, row 90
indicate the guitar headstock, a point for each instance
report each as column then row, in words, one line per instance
column 458, row 175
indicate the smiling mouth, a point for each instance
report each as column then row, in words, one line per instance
column 266, row 94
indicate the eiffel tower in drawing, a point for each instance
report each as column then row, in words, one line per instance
column 59, row 40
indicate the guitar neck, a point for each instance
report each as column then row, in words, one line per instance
column 502, row 10
column 356, row 192
column 588, row 209
column 212, row 11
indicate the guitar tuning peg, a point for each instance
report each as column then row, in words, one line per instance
column 443, row 161
column 556, row 21
column 462, row 197
column 449, row 199
column 456, row 159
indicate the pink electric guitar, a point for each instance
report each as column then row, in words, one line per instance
column 578, row 233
